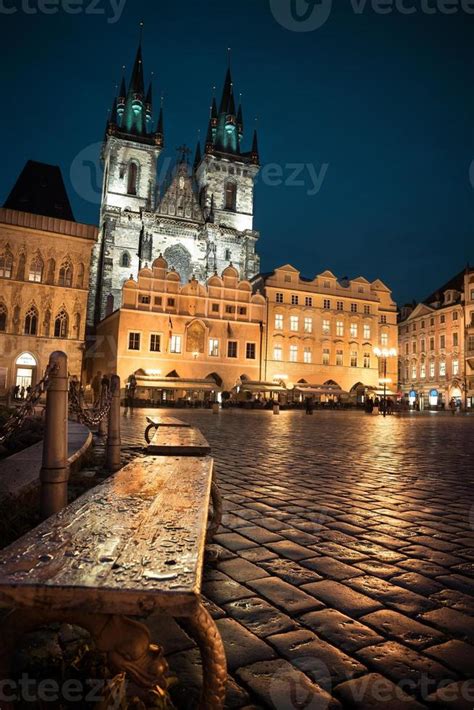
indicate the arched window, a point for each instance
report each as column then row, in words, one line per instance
column 3, row 317
column 80, row 276
column 125, row 259
column 65, row 274
column 6, row 265
column 132, row 179
column 51, row 271
column 31, row 321
column 61, row 324
column 230, row 195
column 36, row 269
column 21, row 267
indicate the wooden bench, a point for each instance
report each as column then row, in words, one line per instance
column 173, row 436
column 131, row 546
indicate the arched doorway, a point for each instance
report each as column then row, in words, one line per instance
column 25, row 370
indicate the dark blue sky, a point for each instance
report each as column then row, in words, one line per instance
column 385, row 100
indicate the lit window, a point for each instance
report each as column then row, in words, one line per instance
column 293, row 353
column 326, row 327
column 36, row 270
column 6, row 265
column 339, row 357
column 61, row 325
column 442, row 368
column 278, row 353
column 354, row 357
column 422, row 370
column 340, row 328
column 384, row 339
column 340, row 305
column 432, row 368
column 308, row 301
column 294, row 323
column 278, row 321
column 326, row 356
column 134, row 341
column 294, row 299
column 367, row 332
column 307, row 355
column 455, row 367
column 279, row 298
column 308, row 325
column 413, row 371
column 250, row 350
column 354, row 330
column 232, row 348
column 353, row 307
column 155, row 343
column 367, row 360
column 175, row 344
column 213, row 347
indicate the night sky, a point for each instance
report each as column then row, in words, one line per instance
column 382, row 104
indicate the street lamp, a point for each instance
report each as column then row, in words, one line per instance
column 383, row 354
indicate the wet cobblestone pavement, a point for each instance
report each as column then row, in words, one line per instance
column 346, row 576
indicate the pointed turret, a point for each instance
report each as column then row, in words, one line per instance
column 226, row 92
column 254, row 152
column 226, row 137
column 134, row 116
column 122, row 97
column 149, row 105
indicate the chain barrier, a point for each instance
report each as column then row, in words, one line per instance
column 88, row 416
column 27, row 408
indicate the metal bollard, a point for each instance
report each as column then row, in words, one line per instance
column 102, row 430
column 54, row 472
column 112, row 454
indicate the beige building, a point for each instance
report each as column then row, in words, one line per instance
column 189, row 341
column 44, row 275
column 321, row 333
column 437, row 346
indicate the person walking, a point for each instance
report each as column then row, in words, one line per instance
column 309, row 405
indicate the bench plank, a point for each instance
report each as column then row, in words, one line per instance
column 175, row 440
column 134, row 542
column 167, row 421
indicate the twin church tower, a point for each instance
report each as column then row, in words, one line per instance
column 200, row 219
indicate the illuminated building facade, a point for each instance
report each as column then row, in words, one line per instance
column 44, row 277
column 201, row 216
column 321, row 332
column 436, row 337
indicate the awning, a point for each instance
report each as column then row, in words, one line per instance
column 320, row 389
column 254, row 386
column 176, row 383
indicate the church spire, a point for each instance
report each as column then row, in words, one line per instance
column 254, row 152
column 197, row 156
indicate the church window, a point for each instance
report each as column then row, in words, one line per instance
column 31, row 321
column 230, row 195
column 61, row 325
column 65, row 274
column 36, row 270
column 3, row 318
column 132, row 179
column 6, row 265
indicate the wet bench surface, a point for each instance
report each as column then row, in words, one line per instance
column 131, row 546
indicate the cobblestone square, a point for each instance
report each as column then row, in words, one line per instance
column 347, row 559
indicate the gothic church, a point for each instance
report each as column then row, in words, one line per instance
column 200, row 219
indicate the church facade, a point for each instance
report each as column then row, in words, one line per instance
column 201, row 219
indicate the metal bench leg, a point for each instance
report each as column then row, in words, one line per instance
column 203, row 630
column 216, row 516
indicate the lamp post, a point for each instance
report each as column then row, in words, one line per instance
column 383, row 354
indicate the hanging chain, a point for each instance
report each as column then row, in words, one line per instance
column 27, row 408
column 91, row 417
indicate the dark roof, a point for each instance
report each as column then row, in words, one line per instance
column 456, row 283
column 40, row 190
